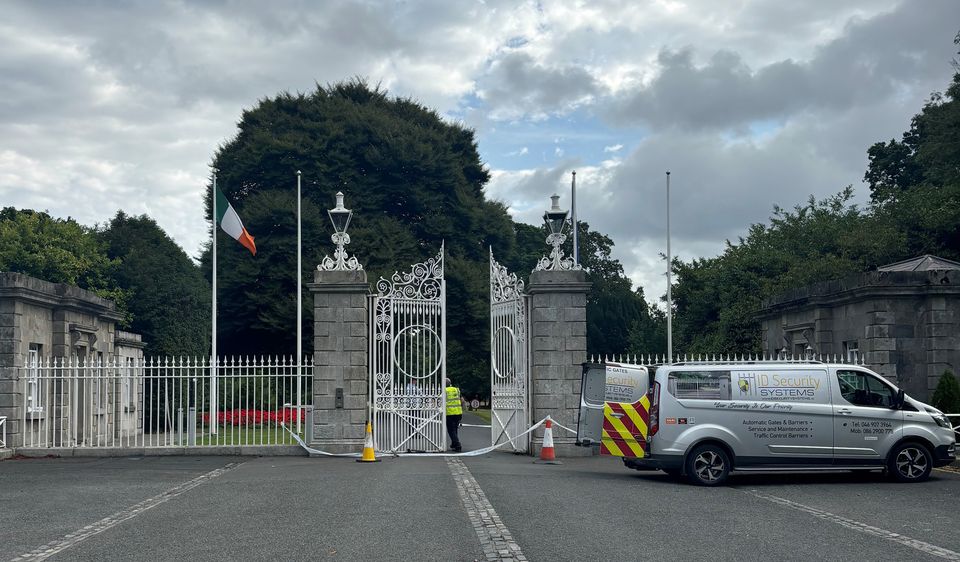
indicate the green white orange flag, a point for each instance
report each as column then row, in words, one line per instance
column 230, row 222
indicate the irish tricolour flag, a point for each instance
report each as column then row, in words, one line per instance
column 230, row 222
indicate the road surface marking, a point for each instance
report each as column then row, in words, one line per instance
column 74, row 538
column 916, row 544
column 495, row 538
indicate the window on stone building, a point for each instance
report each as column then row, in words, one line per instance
column 851, row 350
column 34, row 385
column 129, row 393
column 99, row 389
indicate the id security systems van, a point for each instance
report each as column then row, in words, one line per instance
column 706, row 420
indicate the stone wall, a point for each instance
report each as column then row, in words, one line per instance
column 128, row 353
column 340, row 349
column 905, row 325
column 558, row 349
column 57, row 320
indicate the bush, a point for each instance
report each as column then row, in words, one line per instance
column 946, row 397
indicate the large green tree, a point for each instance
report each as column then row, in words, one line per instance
column 614, row 307
column 915, row 209
column 414, row 182
column 59, row 251
column 717, row 299
column 915, row 182
column 169, row 298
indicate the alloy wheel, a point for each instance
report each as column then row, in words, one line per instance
column 911, row 463
column 708, row 466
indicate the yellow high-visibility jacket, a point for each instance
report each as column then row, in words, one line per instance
column 454, row 406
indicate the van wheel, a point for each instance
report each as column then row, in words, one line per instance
column 910, row 462
column 708, row 465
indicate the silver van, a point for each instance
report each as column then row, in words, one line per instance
column 706, row 420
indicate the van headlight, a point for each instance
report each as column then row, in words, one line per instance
column 942, row 420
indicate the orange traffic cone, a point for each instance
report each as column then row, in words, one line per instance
column 368, row 454
column 547, row 454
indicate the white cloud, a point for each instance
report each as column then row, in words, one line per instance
column 748, row 102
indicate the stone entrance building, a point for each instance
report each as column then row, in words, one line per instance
column 902, row 320
column 41, row 322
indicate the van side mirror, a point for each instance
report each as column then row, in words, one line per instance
column 901, row 398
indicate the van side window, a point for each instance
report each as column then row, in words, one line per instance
column 700, row 385
column 861, row 389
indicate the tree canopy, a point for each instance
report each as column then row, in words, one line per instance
column 169, row 300
column 914, row 210
column 414, row 182
column 59, row 251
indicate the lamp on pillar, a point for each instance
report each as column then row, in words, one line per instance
column 340, row 217
column 556, row 221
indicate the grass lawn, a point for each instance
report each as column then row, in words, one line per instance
column 485, row 414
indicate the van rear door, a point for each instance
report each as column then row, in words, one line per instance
column 613, row 408
column 592, row 390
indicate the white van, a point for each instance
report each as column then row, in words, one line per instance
column 705, row 420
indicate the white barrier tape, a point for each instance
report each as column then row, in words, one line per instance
column 475, row 453
column 563, row 427
column 313, row 451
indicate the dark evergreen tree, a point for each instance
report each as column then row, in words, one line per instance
column 413, row 181
column 946, row 397
column 169, row 300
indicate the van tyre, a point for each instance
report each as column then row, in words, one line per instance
column 910, row 462
column 708, row 465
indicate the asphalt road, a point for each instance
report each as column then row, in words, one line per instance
column 293, row 508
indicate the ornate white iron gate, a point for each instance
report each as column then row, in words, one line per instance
column 508, row 356
column 408, row 359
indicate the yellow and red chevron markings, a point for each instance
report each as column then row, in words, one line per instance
column 625, row 428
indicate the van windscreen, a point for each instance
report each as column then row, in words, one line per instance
column 700, row 385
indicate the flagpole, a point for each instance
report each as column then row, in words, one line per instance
column 299, row 308
column 669, row 282
column 213, row 318
column 573, row 213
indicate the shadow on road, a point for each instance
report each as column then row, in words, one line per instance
column 844, row 478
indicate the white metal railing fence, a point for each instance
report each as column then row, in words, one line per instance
column 161, row 402
column 653, row 359
column 3, row 432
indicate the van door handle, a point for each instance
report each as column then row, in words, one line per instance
column 844, row 412
column 616, row 414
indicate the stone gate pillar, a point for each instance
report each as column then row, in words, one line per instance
column 558, row 348
column 340, row 360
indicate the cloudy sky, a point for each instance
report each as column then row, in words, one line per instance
column 749, row 103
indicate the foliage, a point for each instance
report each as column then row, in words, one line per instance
column 58, row 251
column 169, row 298
column 915, row 193
column 614, row 308
column 946, row 397
column 927, row 156
column 716, row 299
column 413, row 181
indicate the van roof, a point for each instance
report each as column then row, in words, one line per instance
column 755, row 365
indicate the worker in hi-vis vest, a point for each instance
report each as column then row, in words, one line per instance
column 454, row 414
